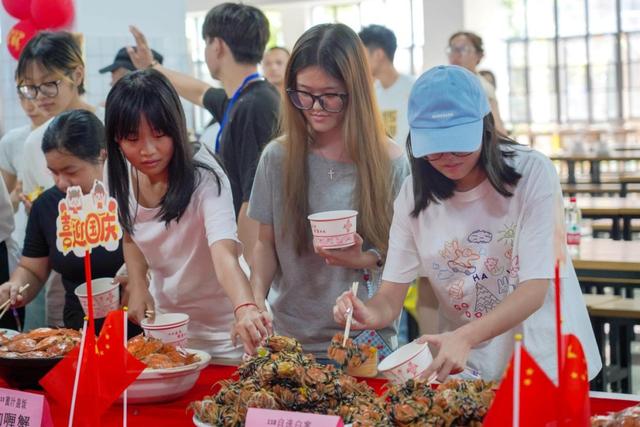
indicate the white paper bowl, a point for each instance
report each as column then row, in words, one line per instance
column 333, row 229
column 170, row 328
column 406, row 363
column 106, row 296
column 162, row 385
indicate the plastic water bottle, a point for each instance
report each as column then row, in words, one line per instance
column 573, row 218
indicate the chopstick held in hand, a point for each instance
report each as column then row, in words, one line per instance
column 347, row 326
column 7, row 304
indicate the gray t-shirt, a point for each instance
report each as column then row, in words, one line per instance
column 305, row 289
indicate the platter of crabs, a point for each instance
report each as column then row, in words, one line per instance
column 27, row 357
column 171, row 371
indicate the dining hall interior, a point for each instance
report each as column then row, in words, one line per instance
column 561, row 77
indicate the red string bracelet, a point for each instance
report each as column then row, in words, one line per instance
column 243, row 305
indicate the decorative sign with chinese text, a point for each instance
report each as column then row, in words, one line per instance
column 87, row 221
column 19, row 408
column 272, row 418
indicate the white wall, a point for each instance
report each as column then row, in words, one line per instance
column 489, row 19
column 441, row 19
column 104, row 25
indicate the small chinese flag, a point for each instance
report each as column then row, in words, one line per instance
column 58, row 383
column 574, row 385
column 118, row 368
column 105, row 373
column 537, row 394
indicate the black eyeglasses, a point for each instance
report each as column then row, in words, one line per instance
column 437, row 156
column 329, row 102
column 48, row 89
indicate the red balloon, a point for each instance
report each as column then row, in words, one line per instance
column 20, row 9
column 19, row 35
column 52, row 14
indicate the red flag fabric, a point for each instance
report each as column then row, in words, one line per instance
column 574, row 385
column 58, row 383
column 118, row 368
column 107, row 370
column 537, row 395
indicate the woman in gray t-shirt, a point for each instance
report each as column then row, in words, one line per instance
column 333, row 155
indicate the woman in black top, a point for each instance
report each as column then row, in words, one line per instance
column 74, row 146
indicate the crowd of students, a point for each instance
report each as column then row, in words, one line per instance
column 218, row 229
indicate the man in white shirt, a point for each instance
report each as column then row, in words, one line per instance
column 392, row 88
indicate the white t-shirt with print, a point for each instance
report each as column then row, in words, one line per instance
column 393, row 103
column 477, row 246
column 183, row 275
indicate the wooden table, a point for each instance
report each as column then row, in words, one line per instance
column 605, row 262
column 615, row 208
column 594, row 160
column 594, row 300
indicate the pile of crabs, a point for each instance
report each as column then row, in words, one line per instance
column 39, row 343
column 158, row 355
column 282, row 377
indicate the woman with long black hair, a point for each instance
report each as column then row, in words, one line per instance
column 177, row 212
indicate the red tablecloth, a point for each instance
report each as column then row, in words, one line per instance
column 175, row 413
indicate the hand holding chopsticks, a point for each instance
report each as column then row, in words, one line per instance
column 347, row 326
column 7, row 304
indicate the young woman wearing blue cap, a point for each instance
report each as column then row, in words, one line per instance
column 334, row 155
column 478, row 218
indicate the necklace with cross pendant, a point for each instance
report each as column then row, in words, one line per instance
column 331, row 172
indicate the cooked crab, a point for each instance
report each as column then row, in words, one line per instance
column 157, row 355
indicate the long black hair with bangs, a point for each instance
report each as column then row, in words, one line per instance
column 149, row 93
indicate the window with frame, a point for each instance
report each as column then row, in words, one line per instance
column 574, row 61
column 393, row 14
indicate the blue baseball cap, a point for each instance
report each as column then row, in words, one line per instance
column 447, row 105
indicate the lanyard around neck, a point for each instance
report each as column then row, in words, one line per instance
column 232, row 101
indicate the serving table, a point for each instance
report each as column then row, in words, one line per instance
column 175, row 413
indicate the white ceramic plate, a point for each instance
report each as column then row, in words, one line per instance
column 162, row 385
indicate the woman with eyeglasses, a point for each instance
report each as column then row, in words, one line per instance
column 481, row 217
column 466, row 50
column 50, row 72
column 334, row 155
